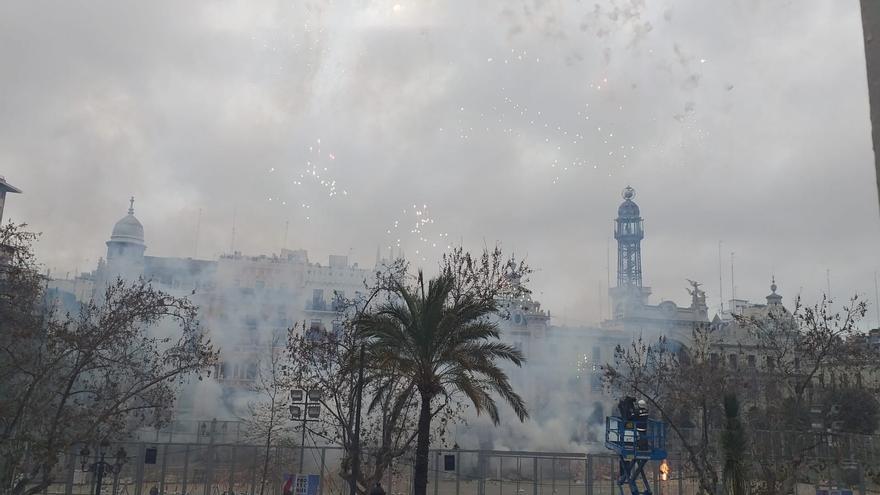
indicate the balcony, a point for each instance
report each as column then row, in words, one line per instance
column 324, row 306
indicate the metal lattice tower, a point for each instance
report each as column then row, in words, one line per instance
column 629, row 232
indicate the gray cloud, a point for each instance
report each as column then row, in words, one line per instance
column 190, row 106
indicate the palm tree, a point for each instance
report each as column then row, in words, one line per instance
column 444, row 346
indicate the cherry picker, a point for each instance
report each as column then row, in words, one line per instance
column 636, row 439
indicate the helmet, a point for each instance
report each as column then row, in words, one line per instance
column 642, row 403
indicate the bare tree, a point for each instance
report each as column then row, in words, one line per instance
column 78, row 378
column 798, row 347
column 799, row 351
column 266, row 421
column 328, row 361
column 683, row 385
column 792, row 354
column 488, row 277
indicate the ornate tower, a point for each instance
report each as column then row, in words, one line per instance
column 629, row 232
column 125, row 249
column 630, row 297
column 774, row 300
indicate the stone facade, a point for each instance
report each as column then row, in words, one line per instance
column 244, row 300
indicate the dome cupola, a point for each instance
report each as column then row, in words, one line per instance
column 129, row 228
column 773, row 299
column 628, row 209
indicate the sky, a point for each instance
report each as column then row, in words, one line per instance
column 342, row 126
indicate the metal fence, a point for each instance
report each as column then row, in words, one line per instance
column 235, row 469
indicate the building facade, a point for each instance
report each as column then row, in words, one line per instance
column 246, row 303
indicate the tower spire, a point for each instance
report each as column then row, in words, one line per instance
column 131, row 206
column 629, row 232
column 773, row 299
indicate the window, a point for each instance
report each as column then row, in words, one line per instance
column 732, row 361
column 752, row 361
column 596, row 382
column 318, row 299
column 714, row 359
column 315, row 331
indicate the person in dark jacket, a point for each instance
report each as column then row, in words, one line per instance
column 377, row 490
column 627, row 408
column 641, row 413
column 642, row 425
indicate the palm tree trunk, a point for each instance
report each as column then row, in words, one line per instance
column 420, row 477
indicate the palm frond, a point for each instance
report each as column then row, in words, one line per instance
column 441, row 345
column 477, row 394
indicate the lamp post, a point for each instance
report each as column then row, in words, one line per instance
column 100, row 466
column 304, row 407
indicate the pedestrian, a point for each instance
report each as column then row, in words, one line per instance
column 154, row 490
column 377, row 490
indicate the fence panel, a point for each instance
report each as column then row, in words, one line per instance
column 205, row 468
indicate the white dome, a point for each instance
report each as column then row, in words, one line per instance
column 128, row 229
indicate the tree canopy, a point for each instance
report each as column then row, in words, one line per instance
column 95, row 374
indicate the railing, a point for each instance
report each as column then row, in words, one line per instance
column 641, row 438
column 332, row 306
column 211, row 465
column 213, row 468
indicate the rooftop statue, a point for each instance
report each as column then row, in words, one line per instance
column 698, row 296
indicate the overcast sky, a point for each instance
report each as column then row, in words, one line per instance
column 516, row 122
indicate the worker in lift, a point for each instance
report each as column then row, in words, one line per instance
column 641, row 412
column 641, row 421
column 628, row 410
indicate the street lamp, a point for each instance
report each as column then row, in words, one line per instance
column 305, row 407
column 100, row 466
